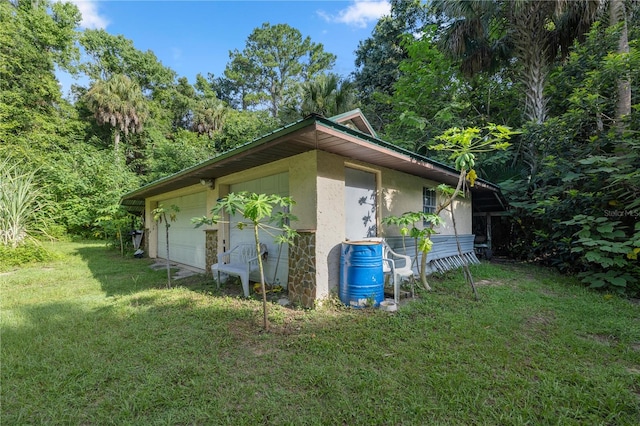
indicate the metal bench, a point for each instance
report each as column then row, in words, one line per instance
column 444, row 255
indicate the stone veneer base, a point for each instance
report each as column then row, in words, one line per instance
column 302, row 270
column 211, row 249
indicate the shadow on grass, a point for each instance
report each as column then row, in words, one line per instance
column 114, row 362
column 124, row 275
column 181, row 357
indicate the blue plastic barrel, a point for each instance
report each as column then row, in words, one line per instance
column 361, row 277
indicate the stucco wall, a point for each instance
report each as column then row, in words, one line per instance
column 402, row 193
column 316, row 183
column 398, row 193
column 303, row 170
column 330, row 220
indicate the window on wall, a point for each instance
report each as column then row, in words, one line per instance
column 428, row 201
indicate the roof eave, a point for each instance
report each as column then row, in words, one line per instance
column 143, row 191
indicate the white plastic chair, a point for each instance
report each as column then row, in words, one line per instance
column 240, row 261
column 395, row 264
column 399, row 267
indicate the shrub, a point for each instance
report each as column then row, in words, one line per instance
column 28, row 252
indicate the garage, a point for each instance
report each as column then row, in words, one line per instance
column 276, row 266
column 187, row 243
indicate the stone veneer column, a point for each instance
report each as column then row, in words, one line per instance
column 302, row 269
column 211, row 249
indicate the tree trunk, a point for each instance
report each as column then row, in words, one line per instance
column 423, row 270
column 116, row 142
column 121, row 242
column 465, row 266
column 263, row 287
column 617, row 15
column 530, row 39
column 168, row 263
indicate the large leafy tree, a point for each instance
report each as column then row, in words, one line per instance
column 274, row 62
column 241, row 127
column 35, row 37
column 432, row 95
column 378, row 58
column 119, row 104
column 179, row 103
column 427, row 96
column 115, row 54
column 240, row 85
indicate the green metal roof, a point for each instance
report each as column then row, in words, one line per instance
column 302, row 136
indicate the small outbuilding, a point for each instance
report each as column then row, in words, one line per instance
column 344, row 180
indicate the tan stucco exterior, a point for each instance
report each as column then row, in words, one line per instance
column 402, row 193
column 152, row 203
column 317, row 184
column 397, row 193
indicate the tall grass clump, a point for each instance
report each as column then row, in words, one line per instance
column 23, row 213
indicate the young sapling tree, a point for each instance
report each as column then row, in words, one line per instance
column 464, row 145
column 257, row 209
column 160, row 215
column 407, row 223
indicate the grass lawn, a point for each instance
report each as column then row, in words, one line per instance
column 93, row 338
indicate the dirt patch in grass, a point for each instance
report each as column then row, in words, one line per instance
column 539, row 323
column 541, row 319
column 292, row 323
column 488, row 283
column 603, row 339
column 243, row 329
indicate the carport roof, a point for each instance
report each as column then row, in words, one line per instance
column 348, row 135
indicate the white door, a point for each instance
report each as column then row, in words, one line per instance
column 187, row 244
column 360, row 204
column 278, row 257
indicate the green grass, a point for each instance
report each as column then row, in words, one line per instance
column 93, row 338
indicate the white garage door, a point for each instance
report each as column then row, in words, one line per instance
column 275, row 184
column 187, row 244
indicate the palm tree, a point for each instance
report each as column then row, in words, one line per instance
column 119, row 103
column 479, row 33
column 327, row 95
column 208, row 116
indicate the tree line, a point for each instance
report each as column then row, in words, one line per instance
column 563, row 73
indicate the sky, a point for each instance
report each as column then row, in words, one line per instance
column 194, row 37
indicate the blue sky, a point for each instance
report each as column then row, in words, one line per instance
column 194, row 37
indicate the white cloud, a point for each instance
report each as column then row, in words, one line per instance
column 90, row 16
column 360, row 13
